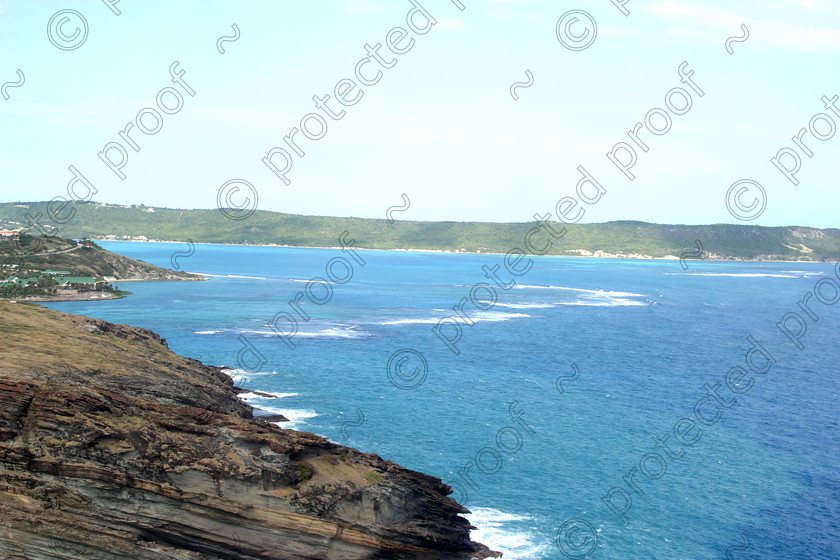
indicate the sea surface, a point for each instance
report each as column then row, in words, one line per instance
column 559, row 384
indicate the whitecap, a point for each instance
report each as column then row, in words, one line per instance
column 493, row 529
column 246, row 396
column 333, row 333
column 525, row 305
column 240, row 374
column 246, row 277
column 604, row 293
column 231, row 276
column 410, row 322
column 296, row 417
column 736, row 274
column 495, row 316
column 207, row 332
column 489, row 316
column 616, row 302
column 280, row 395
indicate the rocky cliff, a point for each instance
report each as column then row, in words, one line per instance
column 112, row 446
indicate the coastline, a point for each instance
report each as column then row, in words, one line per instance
column 193, row 445
column 602, row 255
column 95, row 296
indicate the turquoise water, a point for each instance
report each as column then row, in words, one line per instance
column 630, row 343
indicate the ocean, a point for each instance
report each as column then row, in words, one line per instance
column 604, row 408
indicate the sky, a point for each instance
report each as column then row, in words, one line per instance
column 238, row 123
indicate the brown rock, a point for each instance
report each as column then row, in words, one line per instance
column 112, row 446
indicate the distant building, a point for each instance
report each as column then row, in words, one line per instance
column 66, row 280
column 57, row 273
column 9, row 234
column 21, row 281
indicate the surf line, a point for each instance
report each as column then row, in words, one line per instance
column 569, row 209
column 318, row 291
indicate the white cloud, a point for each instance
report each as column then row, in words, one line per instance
column 789, row 35
column 821, row 5
column 694, row 14
column 713, row 24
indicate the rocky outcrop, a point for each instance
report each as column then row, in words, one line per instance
column 112, row 446
column 38, row 253
column 124, row 268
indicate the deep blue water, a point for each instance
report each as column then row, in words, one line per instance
column 644, row 335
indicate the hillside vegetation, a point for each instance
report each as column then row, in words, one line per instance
column 626, row 239
column 32, row 254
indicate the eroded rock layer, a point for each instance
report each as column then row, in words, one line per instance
column 112, row 446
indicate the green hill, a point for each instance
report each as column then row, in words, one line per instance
column 624, row 239
column 34, row 254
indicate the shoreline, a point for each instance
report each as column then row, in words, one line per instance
column 68, row 297
column 215, row 457
column 614, row 256
column 200, row 278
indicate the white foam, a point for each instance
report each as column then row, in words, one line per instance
column 296, row 417
column 478, row 316
column 411, row 321
column 207, row 332
column 493, row 529
column 280, row 395
column 525, row 305
column 737, row 275
column 615, row 302
column 333, row 333
column 252, row 396
column 495, row 316
column 594, row 298
column 604, row 293
column 240, row 375
column 231, row 276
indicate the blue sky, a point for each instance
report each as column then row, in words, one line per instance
column 441, row 124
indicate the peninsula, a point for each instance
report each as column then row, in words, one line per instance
column 51, row 268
